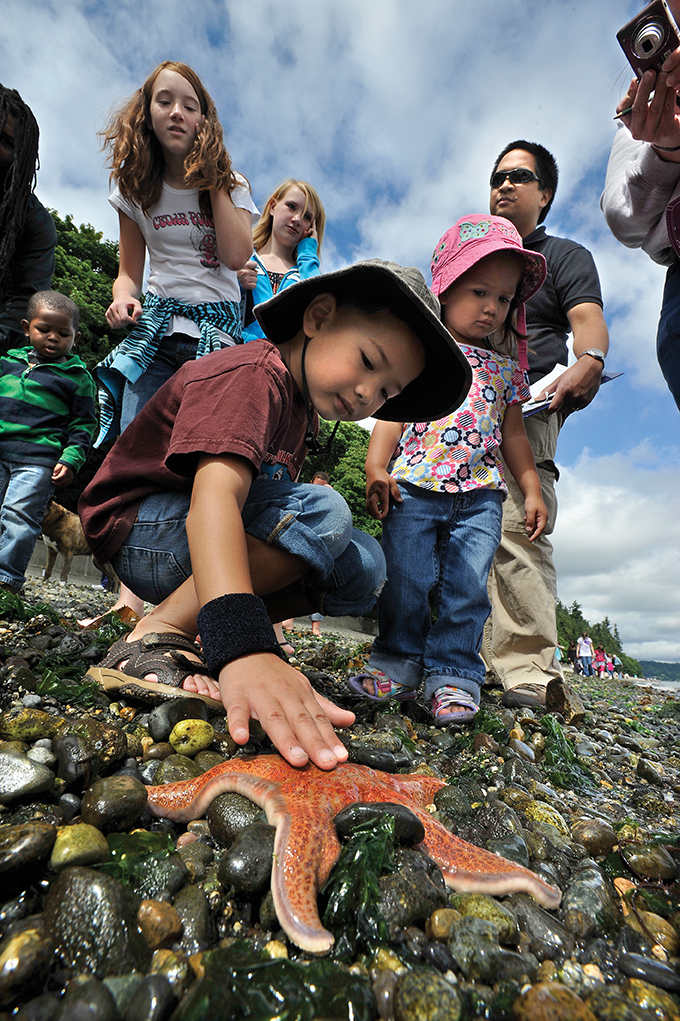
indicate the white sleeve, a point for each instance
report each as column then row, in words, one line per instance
column 123, row 205
column 242, row 198
column 637, row 190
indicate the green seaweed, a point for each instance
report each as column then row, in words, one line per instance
column 561, row 764
column 240, row 983
column 66, row 689
column 484, row 722
column 14, row 608
column 132, row 854
column 352, row 910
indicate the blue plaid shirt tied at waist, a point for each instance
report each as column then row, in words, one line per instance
column 127, row 362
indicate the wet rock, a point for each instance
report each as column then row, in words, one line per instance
column 192, row 907
column 247, row 864
column 93, row 921
column 175, row 967
column 79, row 845
column 176, row 768
column 650, row 860
column 228, row 814
column 656, row 927
column 649, row 970
column 189, row 737
column 148, row 772
column 479, row 905
column 114, row 803
column 123, row 988
column 597, row 836
column 423, row 995
column 524, row 751
column 413, row 892
column 197, row 856
column 440, row 923
column 590, row 906
column 24, row 960
column 438, row 956
column 159, row 750
column 366, row 754
column 550, row 1001
column 649, row 997
column 165, row 717
column 88, row 999
column 28, row 725
column 162, row 877
column 20, row 776
column 513, row 846
column 160, row 923
column 42, row 1008
column 152, row 1000
column 207, row 759
column 651, row 772
column 408, row 829
column 555, row 940
column 561, row 698
column 25, row 844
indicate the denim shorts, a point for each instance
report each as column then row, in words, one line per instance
column 346, row 566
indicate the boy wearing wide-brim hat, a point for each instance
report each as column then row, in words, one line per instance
column 185, row 509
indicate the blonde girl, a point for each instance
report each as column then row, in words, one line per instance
column 287, row 242
column 180, row 201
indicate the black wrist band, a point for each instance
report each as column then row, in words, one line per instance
column 232, row 626
column 666, row 148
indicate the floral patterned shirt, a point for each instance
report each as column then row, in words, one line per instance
column 461, row 452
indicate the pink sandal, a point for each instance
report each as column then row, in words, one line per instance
column 452, row 705
column 383, row 687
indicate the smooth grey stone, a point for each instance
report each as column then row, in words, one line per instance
column 522, row 749
column 197, row 856
column 650, row 860
column 20, row 775
column 539, row 924
column 42, row 1008
column 228, row 814
column 88, row 999
column 597, row 836
column 93, row 920
column 148, row 770
column 513, row 847
column 123, row 988
column 177, row 768
column 247, row 864
column 32, row 701
column 472, row 942
column 652, row 773
column 191, row 905
column 649, row 970
column 418, row 991
column 162, row 877
column 69, row 805
column 151, row 1000
column 42, row 755
column 165, row 716
column 590, row 906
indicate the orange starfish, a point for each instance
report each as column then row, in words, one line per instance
column 301, row 804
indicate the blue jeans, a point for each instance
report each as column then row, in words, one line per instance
column 171, row 355
column 586, row 665
column 443, row 544
column 346, row 566
column 25, row 491
column 668, row 333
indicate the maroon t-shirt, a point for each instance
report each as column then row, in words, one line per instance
column 240, row 400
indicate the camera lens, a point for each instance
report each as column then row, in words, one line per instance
column 648, row 39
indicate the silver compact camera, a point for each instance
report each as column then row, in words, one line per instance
column 649, row 37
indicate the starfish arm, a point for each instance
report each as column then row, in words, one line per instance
column 305, row 850
column 471, row 869
column 190, row 799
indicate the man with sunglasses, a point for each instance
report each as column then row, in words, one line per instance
column 521, row 634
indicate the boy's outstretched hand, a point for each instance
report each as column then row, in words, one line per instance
column 298, row 721
column 380, row 488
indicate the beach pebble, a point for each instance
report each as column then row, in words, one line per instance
column 164, row 717
column 247, row 864
column 114, row 803
column 550, row 1001
column 189, row 737
column 79, row 845
column 426, row 996
column 21, row 776
column 160, row 923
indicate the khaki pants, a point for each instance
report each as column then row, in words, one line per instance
column 521, row 633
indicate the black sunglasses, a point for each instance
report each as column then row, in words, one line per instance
column 519, row 176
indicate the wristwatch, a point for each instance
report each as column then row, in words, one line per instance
column 594, row 352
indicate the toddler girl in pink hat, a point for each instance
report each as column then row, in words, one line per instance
column 438, row 487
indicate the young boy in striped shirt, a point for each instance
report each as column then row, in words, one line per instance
column 47, row 423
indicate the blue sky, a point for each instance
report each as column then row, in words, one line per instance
column 395, row 112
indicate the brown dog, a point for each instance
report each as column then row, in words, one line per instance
column 63, row 533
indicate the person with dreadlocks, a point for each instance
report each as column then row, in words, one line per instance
column 28, row 236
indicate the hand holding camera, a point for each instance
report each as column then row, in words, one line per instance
column 651, row 41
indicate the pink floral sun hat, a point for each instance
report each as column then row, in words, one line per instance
column 472, row 238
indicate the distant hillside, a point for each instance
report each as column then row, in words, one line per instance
column 664, row 671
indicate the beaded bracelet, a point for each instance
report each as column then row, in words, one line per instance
column 232, row 626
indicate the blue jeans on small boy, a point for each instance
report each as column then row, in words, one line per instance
column 442, row 543
column 25, row 491
column 346, row 566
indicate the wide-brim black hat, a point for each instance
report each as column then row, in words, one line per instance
column 444, row 382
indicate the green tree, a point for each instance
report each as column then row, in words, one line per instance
column 345, row 466
column 571, row 623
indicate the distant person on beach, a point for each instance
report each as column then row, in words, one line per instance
column 641, row 198
column 584, row 651
column 521, row 637
column 28, row 236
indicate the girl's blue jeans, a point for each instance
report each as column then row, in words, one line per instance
column 346, row 566
column 25, row 491
column 172, row 353
column 443, row 544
